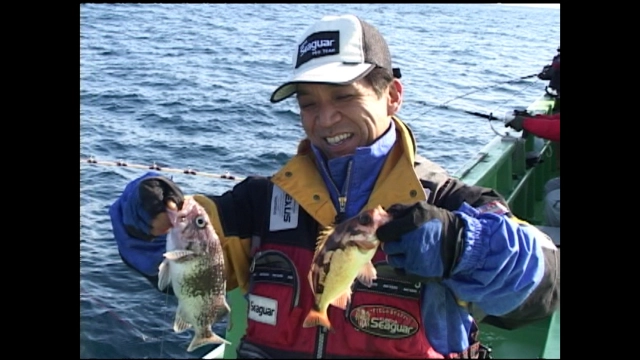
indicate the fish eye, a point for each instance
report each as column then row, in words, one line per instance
column 200, row 222
column 364, row 219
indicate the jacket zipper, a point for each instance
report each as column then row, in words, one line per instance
column 342, row 196
column 321, row 335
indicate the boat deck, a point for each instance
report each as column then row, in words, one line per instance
column 526, row 342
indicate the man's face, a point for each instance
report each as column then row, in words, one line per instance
column 339, row 118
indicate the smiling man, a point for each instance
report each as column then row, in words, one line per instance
column 450, row 251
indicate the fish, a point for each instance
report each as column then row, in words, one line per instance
column 194, row 266
column 343, row 254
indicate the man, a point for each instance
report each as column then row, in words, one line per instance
column 451, row 249
column 546, row 127
column 552, row 73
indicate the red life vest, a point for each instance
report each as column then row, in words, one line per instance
column 383, row 321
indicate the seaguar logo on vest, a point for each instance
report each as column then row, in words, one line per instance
column 262, row 309
column 384, row 321
column 284, row 211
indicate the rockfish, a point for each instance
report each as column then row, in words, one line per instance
column 343, row 254
column 194, row 266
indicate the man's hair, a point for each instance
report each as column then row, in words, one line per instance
column 379, row 79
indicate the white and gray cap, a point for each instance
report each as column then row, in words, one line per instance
column 336, row 50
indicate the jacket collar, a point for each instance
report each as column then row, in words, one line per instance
column 397, row 182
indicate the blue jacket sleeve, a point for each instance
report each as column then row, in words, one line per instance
column 144, row 256
column 501, row 262
column 503, row 267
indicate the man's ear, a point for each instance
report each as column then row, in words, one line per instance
column 395, row 97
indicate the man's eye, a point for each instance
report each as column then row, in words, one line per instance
column 344, row 97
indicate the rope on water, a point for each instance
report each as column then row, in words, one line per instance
column 188, row 171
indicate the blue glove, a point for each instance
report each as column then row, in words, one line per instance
column 131, row 217
column 144, row 199
column 422, row 239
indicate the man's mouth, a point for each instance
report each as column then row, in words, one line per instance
column 338, row 139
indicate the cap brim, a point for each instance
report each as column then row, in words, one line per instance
column 333, row 73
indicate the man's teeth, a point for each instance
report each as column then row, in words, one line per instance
column 337, row 139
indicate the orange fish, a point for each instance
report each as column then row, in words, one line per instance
column 343, row 254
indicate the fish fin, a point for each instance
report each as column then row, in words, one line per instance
column 310, row 277
column 206, row 337
column 179, row 325
column 164, row 277
column 317, row 318
column 343, row 300
column 367, row 274
column 177, row 254
column 323, row 235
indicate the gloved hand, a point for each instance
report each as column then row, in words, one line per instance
column 144, row 204
column 516, row 123
column 545, row 74
column 422, row 239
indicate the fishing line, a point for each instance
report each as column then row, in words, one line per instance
column 501, row 105
column 443, row 105
column 166, row 303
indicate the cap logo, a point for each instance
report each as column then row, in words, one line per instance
column 317, row 45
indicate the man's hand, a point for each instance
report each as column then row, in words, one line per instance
column 419, row 233
column 516, row 123
column 145, row 214
column 545, row 74
column 161, row 224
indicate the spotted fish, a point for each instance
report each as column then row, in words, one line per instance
column 343, row 254
column 194, row 267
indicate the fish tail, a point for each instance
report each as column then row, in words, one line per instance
column 205, row 338
column 316, row 318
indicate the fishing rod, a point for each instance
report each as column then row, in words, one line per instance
column 188, row 171
column 507, row 117
column 486, row 87
column 444, row 104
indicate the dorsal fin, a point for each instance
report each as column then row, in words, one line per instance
column 323, row 236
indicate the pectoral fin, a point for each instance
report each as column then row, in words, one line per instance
column 367, row 274
column 163, row 275
column 311, row 276
column 178, row 254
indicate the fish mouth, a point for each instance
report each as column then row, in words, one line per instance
column 338, row 139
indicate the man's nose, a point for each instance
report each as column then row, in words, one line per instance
column 327, row 115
